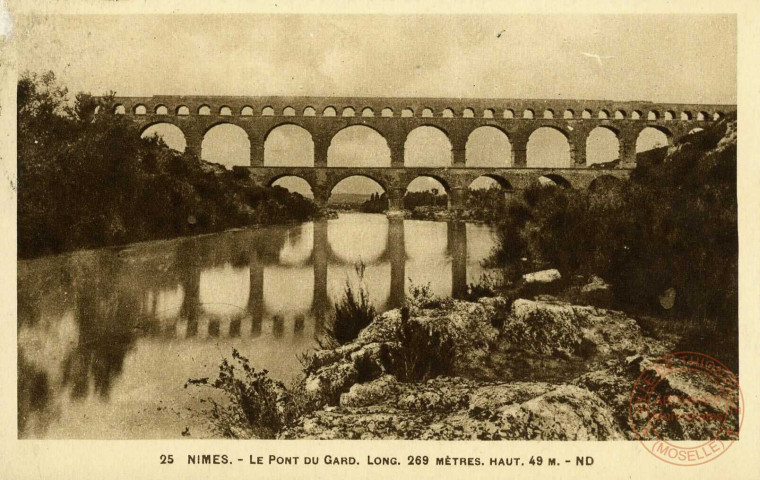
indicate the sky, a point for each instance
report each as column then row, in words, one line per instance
column 667, row 58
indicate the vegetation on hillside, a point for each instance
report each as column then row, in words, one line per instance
column 88, row 180
column 673, row 226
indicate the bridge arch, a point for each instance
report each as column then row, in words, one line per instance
column 603, row 182
column 356, row 182
column 172, row 135
column 432, row 176
column 488, row 113
column 363, row 142
column 554, row 179
column 226, row 143
column 620, row 114
column 204, row 110
column 548, row 146
column 427, row 146
column 447, row 113
column 509, row 113
column 653, row 136
column 309, row 112
column 568, row 114
column 119, row 109
column 246, row 111
column 488, row 146
column 289, row 144
column 636, row 115
column 140, row 109
column 182, row 111
column 293, row 183
column 602, row 145
column 495, row 179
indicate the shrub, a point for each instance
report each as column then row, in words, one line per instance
column 423, row 352
column 250, row 408
column 353, row 312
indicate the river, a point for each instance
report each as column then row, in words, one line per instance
column 107, row 338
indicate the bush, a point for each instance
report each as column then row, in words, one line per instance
column 353, row 312
column 423, row 352
column 254, row 405
column 251, row 406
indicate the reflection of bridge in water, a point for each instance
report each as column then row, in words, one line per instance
column 195, row 321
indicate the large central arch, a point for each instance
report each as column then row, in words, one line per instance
column 427, row 146
column 289, row 145
column 548, row 147
column 488, row 146
column 226, row 144
column 358, row 146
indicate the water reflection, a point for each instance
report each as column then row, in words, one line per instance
column 107, row 338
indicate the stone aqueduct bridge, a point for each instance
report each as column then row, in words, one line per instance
column 395, row 118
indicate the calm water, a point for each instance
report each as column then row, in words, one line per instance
column 108, row 338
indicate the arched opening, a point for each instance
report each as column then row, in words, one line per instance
column 227, row 145
column 509, row 113
column 604, row 182
column 309, row 112
column 368, row 112
column 586, row 114
column 348, row 112
column 140, row 110
column 329, row 112
column 553, row 180
column 289, row 145
column 669, row 115
column 386, row 112
column 289, row 112
column 653, row 115
column 407, row 112
column 717, row 116
column 358, row 190
column 651, row 138
column 162, row 110
column 246, row 111
column 685, row 115
column 171, row 134
column 568, row 114
column 448, row 113
column 619, row 114
column 426, row 192
column 267, row 112
column 488, row 113
column 548, row 147
column 119, row 109
column 204, row 110
column 548, row 113
column 225, row 111
column 527, row 114
column 488, row 147
column 427, row 113
column 294, row 184
column 602, row 146
column 468, row 113
column 489, row 182
column 358, row 146
column 702, row 116
column 182, row 110
column 636, row 115
column 604, row 115
column 427, row 147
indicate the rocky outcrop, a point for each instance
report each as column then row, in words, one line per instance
column 466, row 327
column 457, row 408
column 595, row 353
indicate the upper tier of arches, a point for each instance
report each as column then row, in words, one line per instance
column 418, row 108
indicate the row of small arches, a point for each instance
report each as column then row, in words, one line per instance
column 248, row 111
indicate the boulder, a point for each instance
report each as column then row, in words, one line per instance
column 543, row 276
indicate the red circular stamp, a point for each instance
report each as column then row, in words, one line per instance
column 686, row 408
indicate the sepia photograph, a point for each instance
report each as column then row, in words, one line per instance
column 461, row 228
